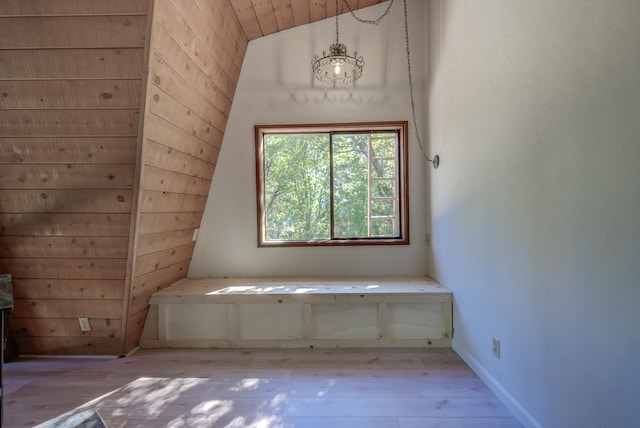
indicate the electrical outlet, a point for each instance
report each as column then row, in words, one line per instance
column 195, row 234
column 496, row 347
column 84, row 324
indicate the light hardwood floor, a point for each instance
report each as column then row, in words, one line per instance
column 265, row 388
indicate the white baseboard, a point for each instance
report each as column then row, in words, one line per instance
column 514, row 406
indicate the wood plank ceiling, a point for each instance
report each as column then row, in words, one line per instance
column 263, row 17
column 109, row 137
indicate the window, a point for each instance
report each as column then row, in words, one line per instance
column 332, row 184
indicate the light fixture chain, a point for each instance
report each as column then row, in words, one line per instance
column 337, row 32
column 367, row 21
column 413, row 104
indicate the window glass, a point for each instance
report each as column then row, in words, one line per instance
column 332, row 184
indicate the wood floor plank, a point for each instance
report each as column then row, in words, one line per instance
column 310, row 388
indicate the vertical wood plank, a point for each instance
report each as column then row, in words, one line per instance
column 383, row 321
column 300, row 11
column 266, row 16
column 233, row 321
column 447, row 320
column 247, row 17
column 318, row 9
column 307, row 328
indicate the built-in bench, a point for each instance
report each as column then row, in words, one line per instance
column 300, row 312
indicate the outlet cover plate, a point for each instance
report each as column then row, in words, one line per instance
column 496, row 347
column 84, row 324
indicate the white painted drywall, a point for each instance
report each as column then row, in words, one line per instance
column 276, row 87
column 535, row 109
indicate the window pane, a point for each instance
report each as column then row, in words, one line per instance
column 296, row 187
column 332, row 184
column 383, row 168
column 383, row 145
column 382, row 227
column 350, row 185
column 384, row 207
column 384, row 188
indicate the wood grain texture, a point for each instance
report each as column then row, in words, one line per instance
column 153, row 243
column 188, row 51
column 164, row 132
column 52, row 268
column 170, row 159
column 65, row 201
column 262, row 17
column 301, row 13
column 56, row 327
column 67, row 176
column 68, row 150
column 58, row 308
column 71, row 63
column 71, row 76
column 202, row 100
column 34, row 288
column 162, row 180
column 372, row 388
column 221, row 45
column 79, row 32
column 196, row 52
column 248, row 18
column 72, row 247
column 318, row 9
column 163, row 222
column 84, row 7
column 168, row 108
column 136, row 327
column 52, row 94
column 46, row 123
column 147, row 284
column 264, row 10
column 161, row 259
column 160, row 202
column 67, row 224
column 284, row 14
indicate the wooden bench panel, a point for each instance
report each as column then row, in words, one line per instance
column 300, row 312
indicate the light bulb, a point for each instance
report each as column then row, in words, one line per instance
column 336, row 69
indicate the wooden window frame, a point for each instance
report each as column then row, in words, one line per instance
column 402, row 175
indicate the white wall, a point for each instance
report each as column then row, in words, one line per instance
column 535, row 110
column 276, row 87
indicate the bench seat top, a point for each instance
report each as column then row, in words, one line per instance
column 223, row 289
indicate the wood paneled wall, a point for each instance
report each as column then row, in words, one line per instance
column 70, row 89
column 196, row 52
column 263, row 17
column 98, row 208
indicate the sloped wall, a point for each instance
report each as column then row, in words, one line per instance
column 70, row 88
column 196, row 53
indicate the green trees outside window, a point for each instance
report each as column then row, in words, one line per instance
column 332, row 184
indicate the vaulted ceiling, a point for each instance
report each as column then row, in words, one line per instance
column 263, row 17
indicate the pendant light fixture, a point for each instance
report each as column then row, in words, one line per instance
column 341, row 69
column 337, row 67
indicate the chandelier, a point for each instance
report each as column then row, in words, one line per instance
column 337, row 67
